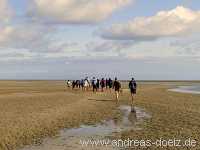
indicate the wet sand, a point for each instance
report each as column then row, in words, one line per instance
column 33, row 110
column 70, row 138
column 174, row 116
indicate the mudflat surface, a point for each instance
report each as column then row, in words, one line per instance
column 93, row 136
column 33, row 110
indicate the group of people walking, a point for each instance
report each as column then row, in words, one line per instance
column 104, row 84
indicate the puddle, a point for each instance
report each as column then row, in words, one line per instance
column 69, row 139
column 193, row 89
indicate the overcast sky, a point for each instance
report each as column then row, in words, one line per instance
column 67, row 39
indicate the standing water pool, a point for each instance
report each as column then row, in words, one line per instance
column 76, row 138
column 194, row 89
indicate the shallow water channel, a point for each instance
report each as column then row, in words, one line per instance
column 194, row 89
column 73, row 139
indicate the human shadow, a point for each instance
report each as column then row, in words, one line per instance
column 132, row 117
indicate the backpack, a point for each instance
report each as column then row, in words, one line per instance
column 94, row 81
column 132, row 85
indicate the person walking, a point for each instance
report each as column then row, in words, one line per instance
column 68, row 83
column 94, row 84
column 73, row 84
column 98, row 84
column 132, row 87
column 103, row 84
column 117, row 87
column 110, row 84
column 106, row 83
column 86, row 84
column 82, row 84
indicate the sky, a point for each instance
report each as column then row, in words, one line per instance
column 70, row 39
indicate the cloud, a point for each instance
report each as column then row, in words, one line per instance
column 189, row 45
column 34, row 37
column 23, row 36
column 108, row 48
column 174, row 23
column 5, row 11
column 74, row 11
column 27, row 41
column 56, row 46
column 15, row 56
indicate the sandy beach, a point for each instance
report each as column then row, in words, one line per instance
column 33, row 110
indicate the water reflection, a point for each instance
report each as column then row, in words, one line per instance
column 69, row 138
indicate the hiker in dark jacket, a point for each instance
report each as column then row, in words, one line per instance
column 110, row 84
column 103, row 84
column 132, row 87
column 117, row 87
